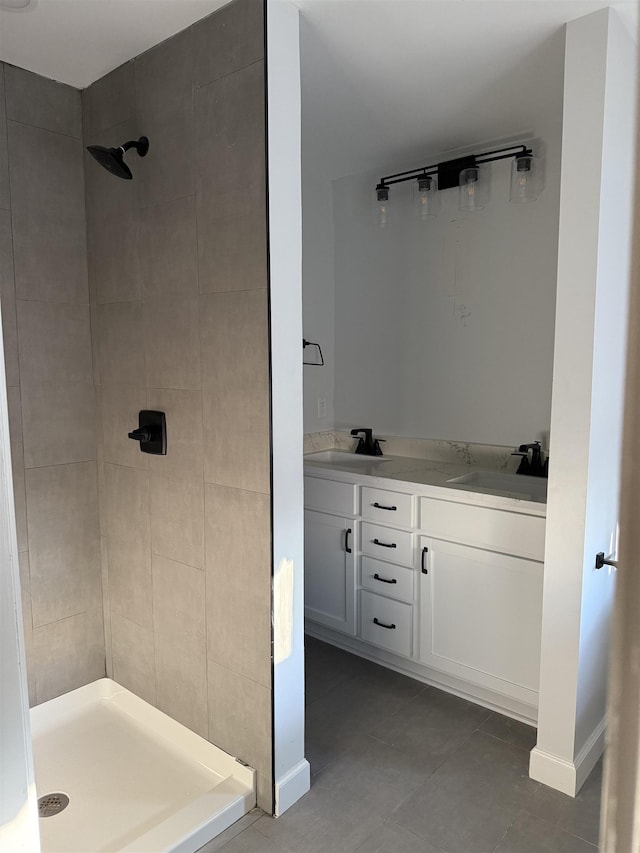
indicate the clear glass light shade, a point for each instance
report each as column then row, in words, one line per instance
column 524, row 179
column 426, row 202
column 382, row 206
column 473, row 189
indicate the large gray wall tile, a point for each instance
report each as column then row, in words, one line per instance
column 54, row 342
column 167, row 172
column 165, row 114
column 230, row 182
column 235, row 401
column 68, row 654
column 48, row 214
column 228, row 40
column 62, row 505
column 27, row 625
column 168, row 248
column 180, row 643
column 59, row 420
column 8, row 298
column 177, row 519
column 172, row 347
column 238, row 549
column 130, row 584
column 107, row 102
column 17, row 465
column 112, row 224
column 127, row 510
column 120, row 330
column 119, row 406
column 133, row 659
column 5, row 196
column 183, row 411
column 240, row 722
column 106, row 606
column 38, row 101
column 164, row 75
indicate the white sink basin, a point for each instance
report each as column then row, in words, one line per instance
column 344, row 459
column 532, row 488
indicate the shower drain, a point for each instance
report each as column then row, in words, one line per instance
column 52, row 804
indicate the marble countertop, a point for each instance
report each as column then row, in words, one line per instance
column 423, row 476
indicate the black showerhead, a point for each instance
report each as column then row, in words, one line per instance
column 113, row 158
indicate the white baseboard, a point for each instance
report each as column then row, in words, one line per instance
column 588, row 756
column 292, row 786
column 563, row 775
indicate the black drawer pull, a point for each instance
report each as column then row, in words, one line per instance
column 380, row 506
column 347, row 544
column 425, row 570
column 376, row 621
column 384, row 580
column 384, row 544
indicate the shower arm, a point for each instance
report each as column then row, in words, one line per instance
column 141, row 145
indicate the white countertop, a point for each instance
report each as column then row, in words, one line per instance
column 425, row 477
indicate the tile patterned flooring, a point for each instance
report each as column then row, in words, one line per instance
column 400, row 767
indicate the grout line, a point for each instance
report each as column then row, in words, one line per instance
column 45, row 129
column 198, row 86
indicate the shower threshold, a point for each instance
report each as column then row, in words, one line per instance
column 136, row 779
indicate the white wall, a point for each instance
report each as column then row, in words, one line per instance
column 444, row 329
column 291, row 770
column 318, row 263
column 318, row 302
column 582, row 508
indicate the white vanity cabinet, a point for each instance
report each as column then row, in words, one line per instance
column 481, row 617
column 440, row 584
column 331, row 542
column 481, row 577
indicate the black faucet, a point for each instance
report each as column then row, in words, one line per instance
column 531, row 462
column 368, row 445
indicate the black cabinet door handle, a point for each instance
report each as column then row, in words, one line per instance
column 347, row 537
column 381, row 506
column 376, row 621
column 384, row 580
column 425, row 570
column 384, row 544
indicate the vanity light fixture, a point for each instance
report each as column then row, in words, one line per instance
column 466, row 174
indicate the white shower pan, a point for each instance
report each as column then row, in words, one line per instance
column 136, row 779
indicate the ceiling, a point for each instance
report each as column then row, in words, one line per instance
column 384, row 83
column 79, row 41
column 381, row 79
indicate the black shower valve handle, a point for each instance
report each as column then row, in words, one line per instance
column 151, row 432
column 141, row 434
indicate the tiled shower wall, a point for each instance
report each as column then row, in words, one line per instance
column 171, row 315
column 178, row 282
column 47, row 344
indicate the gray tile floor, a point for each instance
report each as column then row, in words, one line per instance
column 401, row 767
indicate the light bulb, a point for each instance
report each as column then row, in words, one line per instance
column 524, row 179
column 382, row 205
column 426, row 202
column 472, row 189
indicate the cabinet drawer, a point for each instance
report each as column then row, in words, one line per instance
column 386, row 623
column 494, row 529
column 329, row 495
column 387, row 507
column 387, row 579
column 387, row 543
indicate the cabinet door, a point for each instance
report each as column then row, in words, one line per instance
column 329, row 571
column 481, row 616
